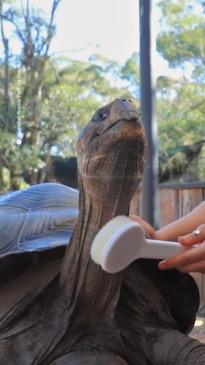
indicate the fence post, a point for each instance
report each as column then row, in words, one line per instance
column 150, row 181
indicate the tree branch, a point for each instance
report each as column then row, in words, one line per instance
column 16, row 26
column 49, row 34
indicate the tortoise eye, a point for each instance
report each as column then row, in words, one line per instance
column 101, row 115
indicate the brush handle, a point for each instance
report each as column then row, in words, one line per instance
column 155, row 249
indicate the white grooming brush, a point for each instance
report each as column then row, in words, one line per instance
column 121, row 241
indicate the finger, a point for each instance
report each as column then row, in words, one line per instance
column 136, row 218
column 187, row 257
column 195, row 267
column 147, row 227
column 195, row 237
column 188, row 240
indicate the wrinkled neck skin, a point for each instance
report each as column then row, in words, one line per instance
column 84, row 283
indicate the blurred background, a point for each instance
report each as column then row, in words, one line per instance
column 62, row 59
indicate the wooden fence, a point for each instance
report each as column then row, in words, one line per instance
column 175, row 200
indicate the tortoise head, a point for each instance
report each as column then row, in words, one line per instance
column 111, row 151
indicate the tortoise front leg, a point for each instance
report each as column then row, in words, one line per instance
column 92, row 357
column 175, row 348
column 148, row 327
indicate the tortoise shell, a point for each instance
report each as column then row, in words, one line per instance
column 37, row 218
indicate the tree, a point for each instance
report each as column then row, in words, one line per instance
column 50, row 99
column 181, row 40
column 34, row 34
column 181, row 103
column 131, row 72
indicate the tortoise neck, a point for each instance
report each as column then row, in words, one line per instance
column 80, row 276
column 100, row 211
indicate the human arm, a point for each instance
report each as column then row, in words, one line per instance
column 183, row 226
column 181, row 230
column 179, row 227
column 189, row 260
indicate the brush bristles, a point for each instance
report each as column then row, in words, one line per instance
column 104, row 235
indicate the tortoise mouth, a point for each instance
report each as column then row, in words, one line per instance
column 129, row 120
column 122, row 122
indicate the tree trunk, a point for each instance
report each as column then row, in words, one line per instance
column 14, row 184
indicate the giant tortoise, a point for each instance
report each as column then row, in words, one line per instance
column 57, row 307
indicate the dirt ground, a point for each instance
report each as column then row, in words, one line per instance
column 198, row 331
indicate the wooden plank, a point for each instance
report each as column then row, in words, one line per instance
column 168, row 206
column 189, row 199
column 184, row 185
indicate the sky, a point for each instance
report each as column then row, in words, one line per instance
column 106, row 27
column 109, row 27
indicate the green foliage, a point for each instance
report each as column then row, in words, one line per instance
column 131, row 72
column 181, row 111
column 183, row 32
column 181, row 102
column 58, row 96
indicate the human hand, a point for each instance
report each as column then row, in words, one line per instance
column 193, row 238
column 193, row 258
column 147, row 227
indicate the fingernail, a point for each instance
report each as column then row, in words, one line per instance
column 162, row 265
